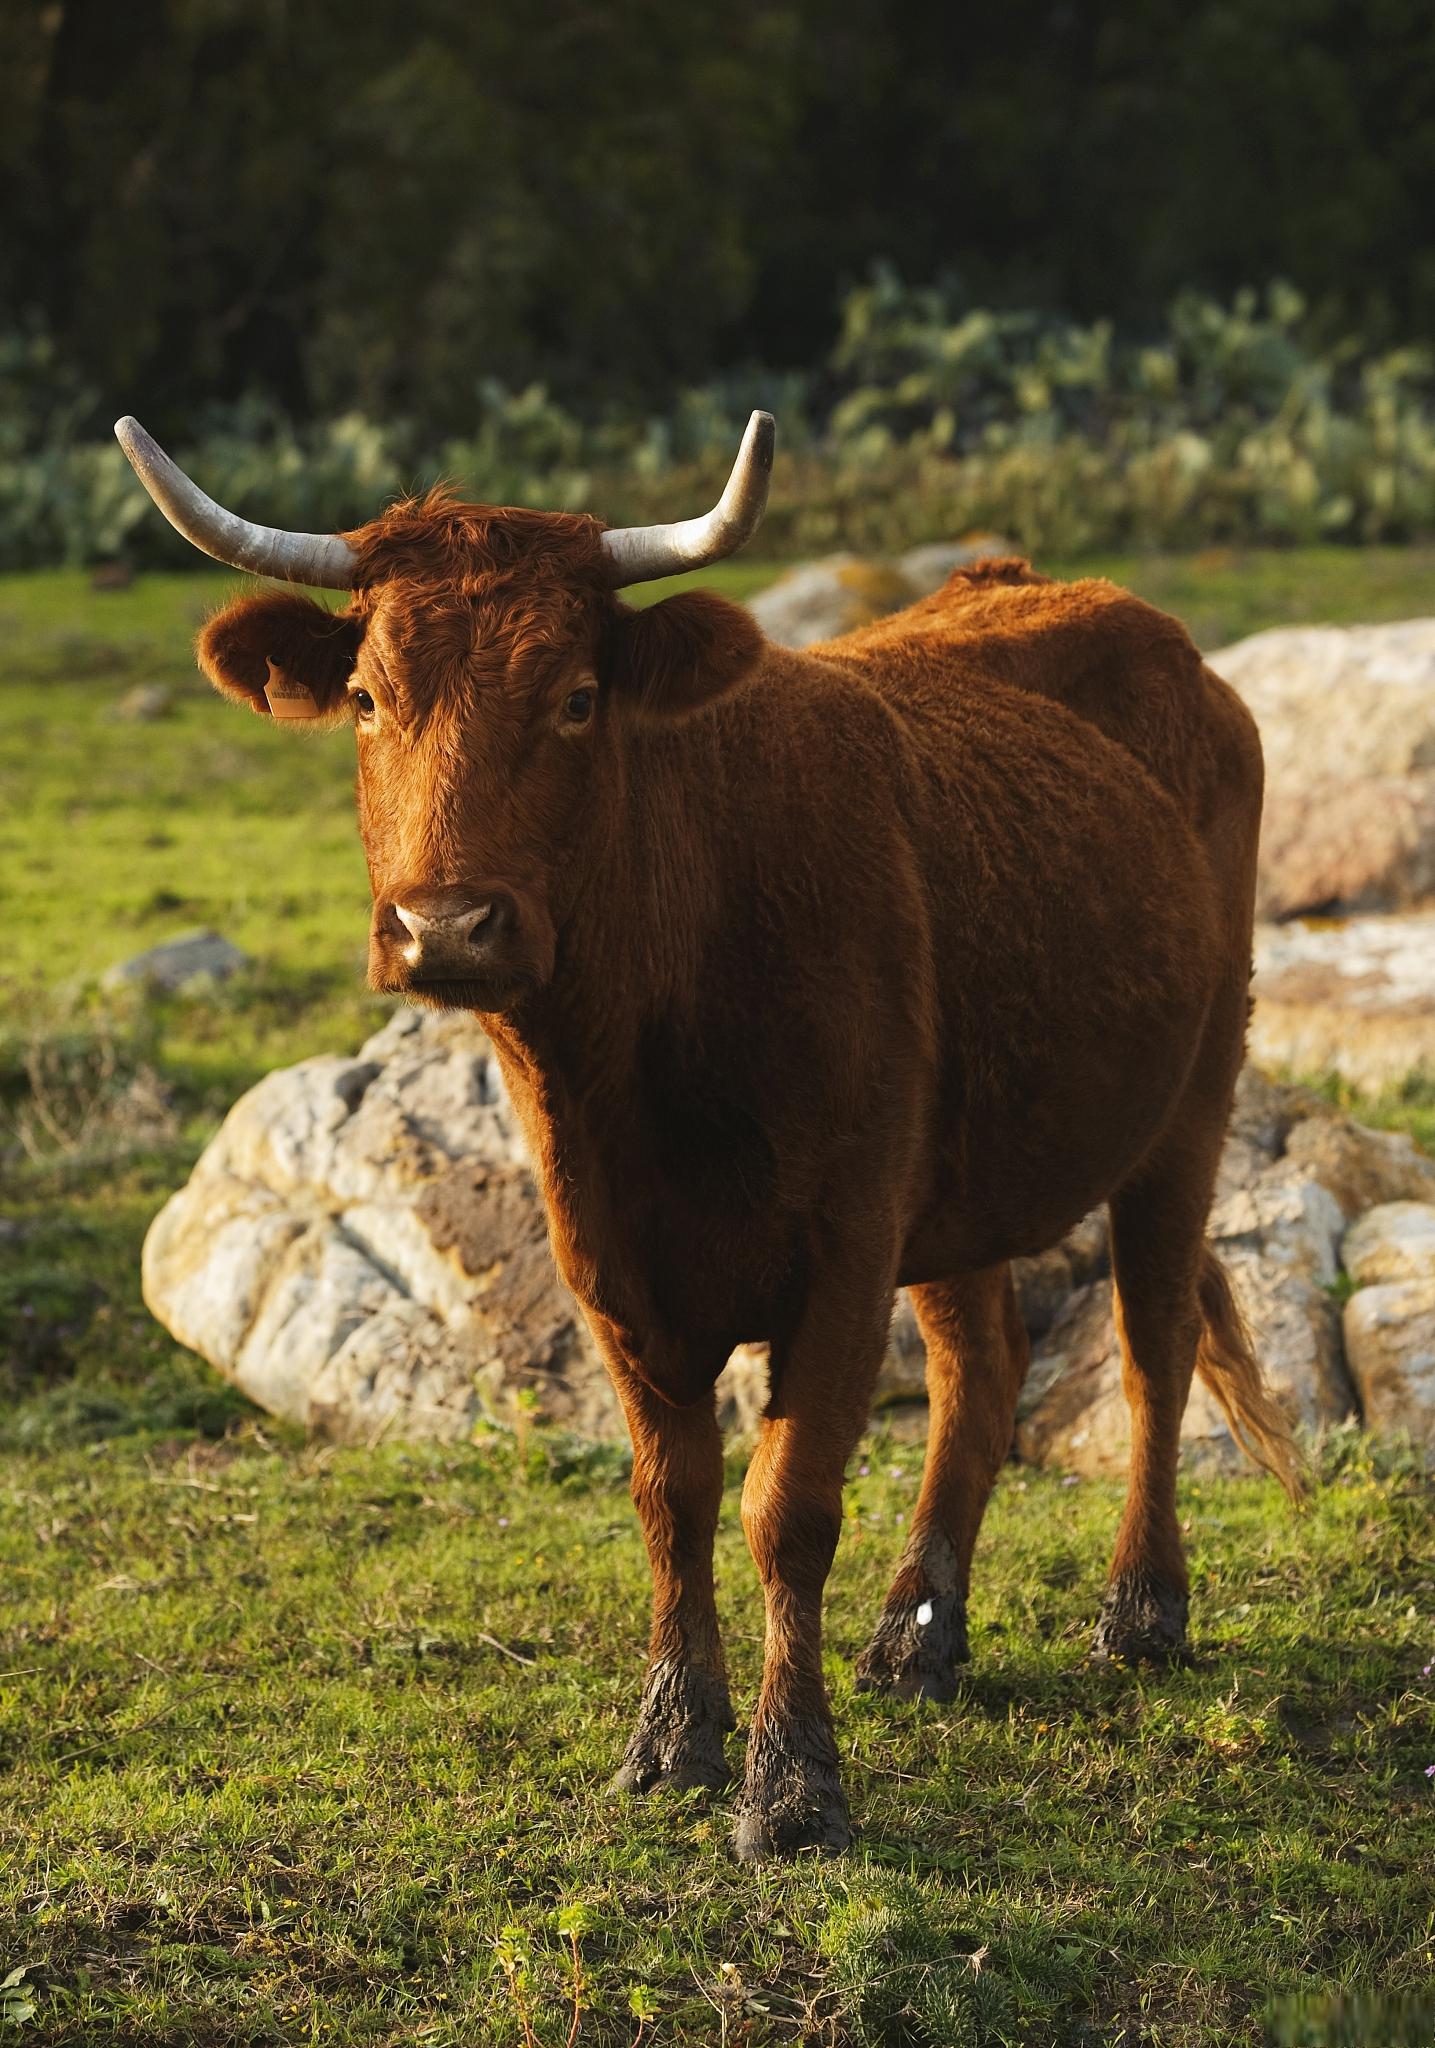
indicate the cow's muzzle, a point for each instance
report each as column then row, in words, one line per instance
column 454, row 948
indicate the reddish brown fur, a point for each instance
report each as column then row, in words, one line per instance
column 873, row 965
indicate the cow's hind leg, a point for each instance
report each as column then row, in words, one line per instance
column 1157, row 1244
column 977, row 1358
column 677, row 1489
column 1158, row 1257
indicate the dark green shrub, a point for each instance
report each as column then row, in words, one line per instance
column 931, row 418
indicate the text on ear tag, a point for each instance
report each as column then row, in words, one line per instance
column 286, row 698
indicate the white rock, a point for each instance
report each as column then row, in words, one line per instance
column 1347, row 719
column 927, row 567
column 837, row 593
column 1360, row 1167
column 362, row 1249
column 823, row 599
column 186, row 958
column 1395, row 1241
column 1339, row 702
column 1288, row 1217
column 1353, row 997
column 144, row 703
column 1390, row 1346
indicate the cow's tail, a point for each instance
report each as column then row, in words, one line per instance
column 1227, row 1364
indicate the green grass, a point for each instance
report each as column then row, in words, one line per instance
column 270, row 1777
column 1225, row 593
column 263, row 1775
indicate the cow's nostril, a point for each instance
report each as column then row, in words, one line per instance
column 440, row 931
column 443, row 943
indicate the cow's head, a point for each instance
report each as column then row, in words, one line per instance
column 490, row 673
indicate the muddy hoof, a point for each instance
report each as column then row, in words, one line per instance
column 678, row 1741
column 916, row 1649
column 792, row 1800
column 684, row 1760
column 1142, row 1622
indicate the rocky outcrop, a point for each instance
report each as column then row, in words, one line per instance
column 1305, row 1194
column 1352, row 996
column 1347, row 719
column 362, row 1250
column 1393, row 1242
column 181, row 962
column 1390, row 1319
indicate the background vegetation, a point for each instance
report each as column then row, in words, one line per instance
column 1010, row 272
column 340, row 207
column 927, row 419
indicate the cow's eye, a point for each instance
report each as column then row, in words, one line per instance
column 578, row 707
column 363, row 703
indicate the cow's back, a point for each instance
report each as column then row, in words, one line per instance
column 1118, row 663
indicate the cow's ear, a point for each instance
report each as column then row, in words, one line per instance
column 282, row 655
column 677, row 656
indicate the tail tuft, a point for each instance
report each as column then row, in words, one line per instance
column 1227, row 1364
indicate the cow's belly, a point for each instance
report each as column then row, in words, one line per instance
column 1015, row 1168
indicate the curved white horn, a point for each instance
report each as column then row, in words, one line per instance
column 321, row 558
column 639, row 553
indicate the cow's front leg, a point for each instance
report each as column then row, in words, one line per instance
column 677, row 1489
column 792, row 1797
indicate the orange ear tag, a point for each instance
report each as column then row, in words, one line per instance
column 286, row 698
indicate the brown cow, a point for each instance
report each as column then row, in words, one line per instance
column 812, row 976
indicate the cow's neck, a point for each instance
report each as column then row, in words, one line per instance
column 630, row 963
column 631, row 949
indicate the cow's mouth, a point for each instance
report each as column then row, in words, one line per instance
column 489, row 992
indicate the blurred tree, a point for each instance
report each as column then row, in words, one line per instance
column 218, row 195
column 333, row 204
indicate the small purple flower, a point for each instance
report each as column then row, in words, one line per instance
column 1428, row 1668
column 1430, row 1770
column 1072, row 1479
column 863, row 1470
column 503, row 1521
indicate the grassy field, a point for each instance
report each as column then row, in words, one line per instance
column 300, row 1745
